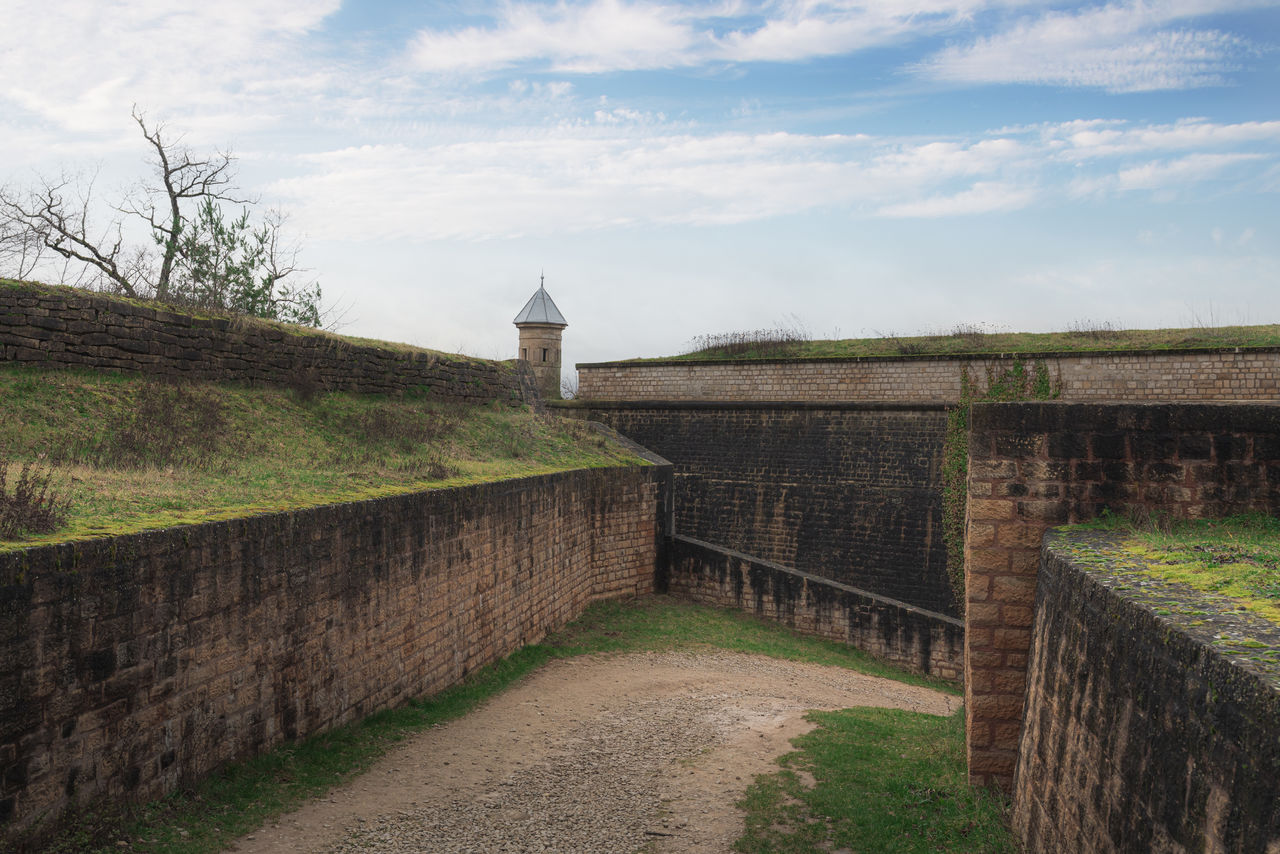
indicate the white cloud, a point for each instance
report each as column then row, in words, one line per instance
column 1120, row 47
column 598, row 36
column 80, row 66
column 615, row 35
column 1112, row 138
column 1163, row 175
column 628, row 169
column 565, row 182
column 982, row 197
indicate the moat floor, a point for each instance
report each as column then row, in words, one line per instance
column 594, row 754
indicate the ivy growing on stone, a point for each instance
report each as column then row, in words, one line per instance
column 1017, row 380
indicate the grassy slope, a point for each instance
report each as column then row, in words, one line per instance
column 973, row 342
column 136, row 454
column 921, row 790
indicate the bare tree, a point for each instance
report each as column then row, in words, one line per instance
column 569, row 386
column 20, row 250
column 55, row 217
column 195, row 253
column 183, row 178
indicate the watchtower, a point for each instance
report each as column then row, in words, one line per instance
column 541, row 324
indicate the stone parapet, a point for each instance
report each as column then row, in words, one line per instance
column 134, row 665
column 65, row 328
column 1157, row 375
column 913, row 638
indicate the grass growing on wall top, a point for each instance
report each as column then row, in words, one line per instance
column 134, row 454
column 923, row 781
column 1018, row 380
column 1237, row 557
column 970, row 339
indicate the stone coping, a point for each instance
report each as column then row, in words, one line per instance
column 819, row 581
column 1213, row 621
column 748, row 405
column 930, row 357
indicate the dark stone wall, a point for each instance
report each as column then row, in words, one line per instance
column 1145, row 731
column 852, row 493
column 913, row 638
column 133, row 665
column 66, row 328
column 1036, row 465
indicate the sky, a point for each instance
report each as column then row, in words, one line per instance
column 674, row 170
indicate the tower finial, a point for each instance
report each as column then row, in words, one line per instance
column 542, row 279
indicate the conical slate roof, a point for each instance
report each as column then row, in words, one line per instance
column 540, row 309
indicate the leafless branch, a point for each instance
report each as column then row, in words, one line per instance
column 183, row 176
column 194, row 253
column 49, row 221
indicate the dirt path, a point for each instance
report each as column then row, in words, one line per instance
column 594, row 754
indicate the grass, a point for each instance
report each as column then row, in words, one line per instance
column 136, row 454
column 242, row 797
column 1237, row 557
column 883, row 780
column 972, row 339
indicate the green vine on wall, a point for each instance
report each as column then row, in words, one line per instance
column 1016, row 381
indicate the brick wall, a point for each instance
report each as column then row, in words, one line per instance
column 1148, row 726
column 1035, row 465
column 1205, row 374
column 850, row 493
column 913, row 638
column 131, row 666
column 62, row 327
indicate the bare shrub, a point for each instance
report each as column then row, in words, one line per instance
column 1093, row 330
column 902, row 346
column 971, row 334
column 784, row 339
column 34, row 506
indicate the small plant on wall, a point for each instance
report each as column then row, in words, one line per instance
column 1018, row 380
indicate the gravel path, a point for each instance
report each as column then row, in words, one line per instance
column 595, row 754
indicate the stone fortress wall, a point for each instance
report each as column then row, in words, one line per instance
column 1189, row 433
column 1203, row 374
column 135, row 664
column 1116, row 728
column 850, row 493
column 1152, row 714
column 913, row 638
column 66, row 328
column 131, row 666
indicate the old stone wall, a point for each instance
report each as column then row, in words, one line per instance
column 913, row 638
column 1036, row 465
column 132, row 665
column 1204, row 374
column 1152, row 713
column 849, row 493
column 62, row 327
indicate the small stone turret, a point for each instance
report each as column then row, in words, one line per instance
column 541, row 324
